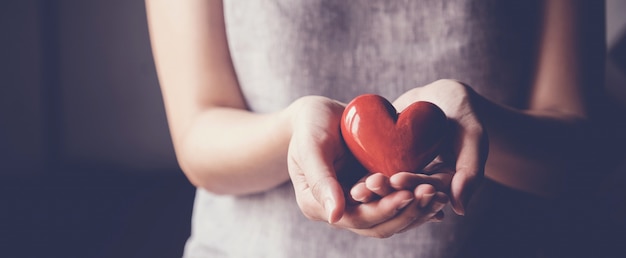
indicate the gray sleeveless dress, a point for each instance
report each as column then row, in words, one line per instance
column 285, row 49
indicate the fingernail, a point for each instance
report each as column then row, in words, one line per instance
column 462, row 205
column 404, row 203
column 356, row 196
column 462, row 211
column 329, row 206
column 465, row 203
column 426, row 199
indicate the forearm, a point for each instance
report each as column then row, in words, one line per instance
column 220, row 146
column 542, row 148
column 534, row 151
column 233, row 151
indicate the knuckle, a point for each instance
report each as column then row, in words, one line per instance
column 317, row 187
column 451, row 83
column 475, row 129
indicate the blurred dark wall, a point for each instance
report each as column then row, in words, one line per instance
column 111, row 107
column 87, row 168
column 616, row 41
column 21, row 112
column 80, row 72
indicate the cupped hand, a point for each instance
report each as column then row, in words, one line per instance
column 467, row 144
column 317, row 155
column 429, row 190
column 376, row 185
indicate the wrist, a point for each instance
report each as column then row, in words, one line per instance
column 303, row 106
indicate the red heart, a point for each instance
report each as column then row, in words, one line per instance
column 384, row 141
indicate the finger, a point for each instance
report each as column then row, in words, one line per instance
column 439, row 216
column 443, row 180
column 424, row 193
column 319, row 178
column 408, row 181
column 327, row 191
column 470, row 168
column 313, row 203
column 412, row 215
column 441, row 170
column 439, row 201
column 361, row 193
column 434, row 212
column 434, row 166
column 367, row 215
column 379, row 184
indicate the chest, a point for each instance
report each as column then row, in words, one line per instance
column 284, row 49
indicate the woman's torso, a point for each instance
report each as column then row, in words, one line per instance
column 285, row 49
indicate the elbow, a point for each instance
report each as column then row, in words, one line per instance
column 204, row 180
column 189, row 171
column 199, row 175
column 195, row 166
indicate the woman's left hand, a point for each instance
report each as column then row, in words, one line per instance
column 466, row 146
column 464, row 152
column 429, row 190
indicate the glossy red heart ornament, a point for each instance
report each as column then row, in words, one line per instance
column 387, row 142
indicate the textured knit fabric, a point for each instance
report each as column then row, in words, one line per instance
column 285, row 49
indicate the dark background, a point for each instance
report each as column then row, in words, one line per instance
column 87, row 167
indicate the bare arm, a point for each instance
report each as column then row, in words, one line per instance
column 225, row 149
column 538, row 149
column 219, row 144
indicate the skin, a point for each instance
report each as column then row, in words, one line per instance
column 208, row 117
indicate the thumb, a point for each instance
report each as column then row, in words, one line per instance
column 470, row 169
column 328, row 193
column 320, row 179
column 464, row 184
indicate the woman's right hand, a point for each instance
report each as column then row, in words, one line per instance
column 317, row 155
column 429, row 189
